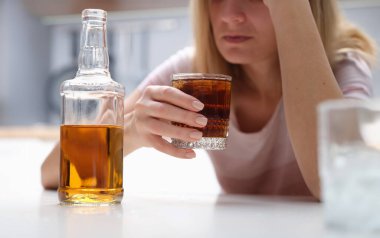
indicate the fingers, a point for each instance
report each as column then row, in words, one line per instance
column 162, row 128
column 165, row 147
column 174, row 96
column 157, row 106
column 175, row 114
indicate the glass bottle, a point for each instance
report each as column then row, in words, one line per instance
column 91, row 137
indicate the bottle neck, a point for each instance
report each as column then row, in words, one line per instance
column 93, row 55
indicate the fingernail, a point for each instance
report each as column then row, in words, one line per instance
column 201, row 121
column 198, row 105
column 197, row 135
column 190, row 155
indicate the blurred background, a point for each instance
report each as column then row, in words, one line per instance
column 39, row 43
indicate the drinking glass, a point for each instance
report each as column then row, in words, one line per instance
column 349, row 163
column 214, row 91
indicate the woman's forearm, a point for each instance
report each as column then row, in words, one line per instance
column 131, row 138
column 50, row 169
column 307, row 80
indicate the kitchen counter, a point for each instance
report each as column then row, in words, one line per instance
column 164, row 197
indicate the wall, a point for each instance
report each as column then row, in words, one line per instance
column 138, row 44
column 25, row 62
column 160, row 43
column 3, row 62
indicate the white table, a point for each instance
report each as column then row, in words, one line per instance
column 164, row 197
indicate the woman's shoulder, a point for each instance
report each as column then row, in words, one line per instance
column 354, row 60
column 185, row 53
column 353, row 74
column 180, row 62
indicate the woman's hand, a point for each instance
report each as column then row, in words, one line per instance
column 151, row 118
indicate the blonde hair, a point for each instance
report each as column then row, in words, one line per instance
column 337, row 34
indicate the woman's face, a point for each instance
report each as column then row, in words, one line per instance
column 243, row 30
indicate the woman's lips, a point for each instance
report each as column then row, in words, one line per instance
column 236, row 39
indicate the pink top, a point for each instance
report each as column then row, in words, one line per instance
column 264, row 162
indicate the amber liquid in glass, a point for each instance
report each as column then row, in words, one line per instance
column 216, row 95
column 91, row 165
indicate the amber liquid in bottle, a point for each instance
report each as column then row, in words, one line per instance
column 91, row 164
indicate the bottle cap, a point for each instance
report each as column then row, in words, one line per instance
column 94, row 15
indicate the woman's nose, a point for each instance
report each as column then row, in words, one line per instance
column 232, row 12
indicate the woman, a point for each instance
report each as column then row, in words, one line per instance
column 285, row 58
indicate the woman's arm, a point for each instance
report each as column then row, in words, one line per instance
column 307, row 80
column 50, row 169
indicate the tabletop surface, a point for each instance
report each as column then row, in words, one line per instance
column 163, row 197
